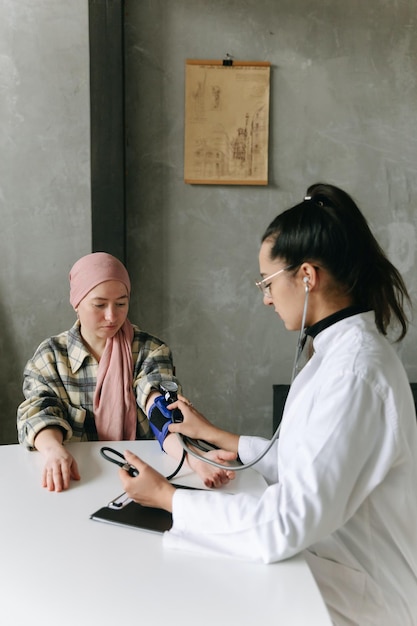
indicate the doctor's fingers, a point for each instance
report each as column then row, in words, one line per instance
column 145, row 487
column 186, row 407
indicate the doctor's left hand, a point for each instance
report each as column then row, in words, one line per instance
column 150, row 488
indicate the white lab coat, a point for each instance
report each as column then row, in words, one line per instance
column 342, row 483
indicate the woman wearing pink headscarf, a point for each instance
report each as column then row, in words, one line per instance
column 97, row 380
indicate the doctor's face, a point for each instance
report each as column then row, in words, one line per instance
column 283, row 291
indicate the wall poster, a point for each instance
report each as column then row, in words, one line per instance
column 226, row 122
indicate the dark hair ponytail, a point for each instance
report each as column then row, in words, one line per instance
column 328, row 228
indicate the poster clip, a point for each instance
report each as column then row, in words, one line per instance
column 228, row 61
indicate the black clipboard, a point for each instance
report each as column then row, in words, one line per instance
column 123, row 511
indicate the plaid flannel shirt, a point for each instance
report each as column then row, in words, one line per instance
column 60, row 380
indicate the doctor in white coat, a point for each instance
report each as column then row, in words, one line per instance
column 342, row 477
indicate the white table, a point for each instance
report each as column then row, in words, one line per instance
column 58, row 567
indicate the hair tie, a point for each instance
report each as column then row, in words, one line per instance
column 318, row 202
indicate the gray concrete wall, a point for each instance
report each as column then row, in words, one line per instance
column 44, row 178
column 343, row 111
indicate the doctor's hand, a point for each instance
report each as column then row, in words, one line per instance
column 150, row 488
column 196, row 426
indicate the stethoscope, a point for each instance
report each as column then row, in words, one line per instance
column 186, row 442
column 110, row 453
column 116, row 457
column 204, row 446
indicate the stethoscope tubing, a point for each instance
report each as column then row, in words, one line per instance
column 186, row 442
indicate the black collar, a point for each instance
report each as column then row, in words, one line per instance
column 316, row 328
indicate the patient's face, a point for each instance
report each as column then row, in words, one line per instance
column 103, row 311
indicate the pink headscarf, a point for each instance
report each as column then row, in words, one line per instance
column 114, row 402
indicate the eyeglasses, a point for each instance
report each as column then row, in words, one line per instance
column 265, row 286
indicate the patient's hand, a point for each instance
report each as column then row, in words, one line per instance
column 210, row 475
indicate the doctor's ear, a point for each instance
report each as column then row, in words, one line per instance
column 308, row 275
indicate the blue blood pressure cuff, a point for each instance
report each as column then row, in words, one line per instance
column 160, row 418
